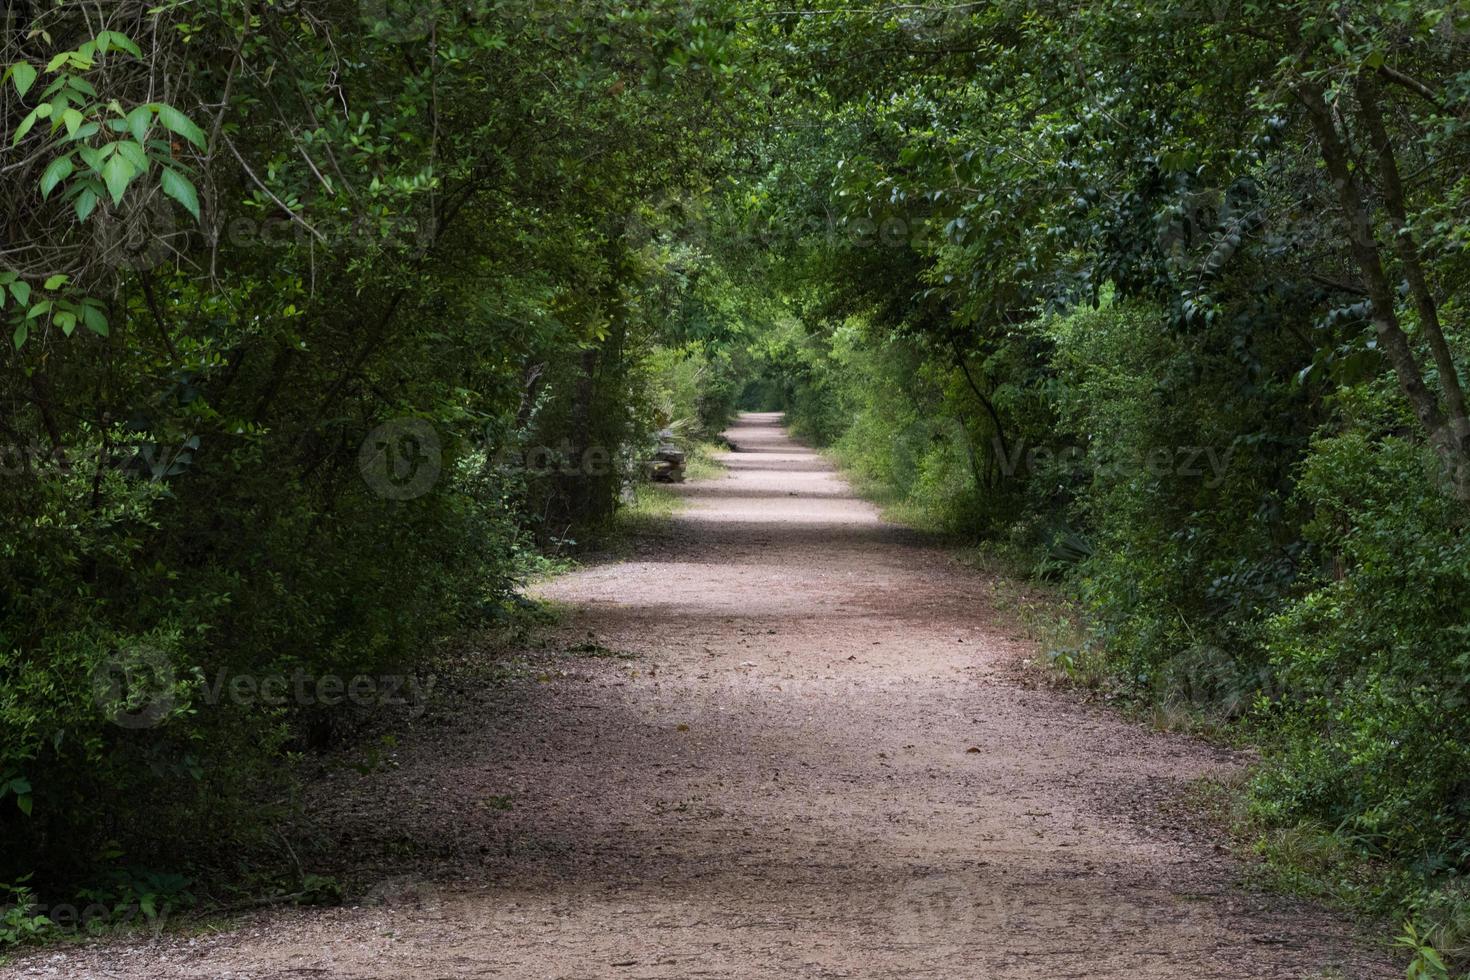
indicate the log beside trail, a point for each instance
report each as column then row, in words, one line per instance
column 667, row 463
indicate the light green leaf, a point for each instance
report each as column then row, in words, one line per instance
column 73, row 120
column 85, row 204
column 138, row 122
column 60, row 169
column 117, row 173
column 135, row 154
column 176, row 122
column 55, row 282
column 39, row 310
column 180, row 189
column 23, row 74
column 29, row 121
column 21, row 333
column 21, row 291
column 118, row 41
column 94, row 320
column 67, row 322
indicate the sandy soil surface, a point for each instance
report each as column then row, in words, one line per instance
column 784, row 740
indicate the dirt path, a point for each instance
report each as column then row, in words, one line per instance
column 817, row 766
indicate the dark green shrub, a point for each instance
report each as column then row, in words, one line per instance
column 1372, row 666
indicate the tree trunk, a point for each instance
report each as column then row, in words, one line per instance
column 1412, row 262
column 1000, row 432
column 1366, row 254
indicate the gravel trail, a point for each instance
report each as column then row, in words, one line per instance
column 784, row 739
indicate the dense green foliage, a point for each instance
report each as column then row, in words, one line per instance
column 327, row 320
